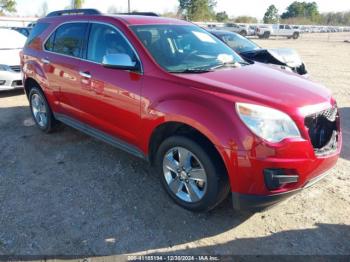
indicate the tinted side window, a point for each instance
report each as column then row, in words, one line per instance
column 68, row 39
column 36, row 32
column 105, row 40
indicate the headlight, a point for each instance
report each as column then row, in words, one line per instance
column 5, row 68
column 267, row 123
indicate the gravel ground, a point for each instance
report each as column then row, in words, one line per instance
column 67, row 193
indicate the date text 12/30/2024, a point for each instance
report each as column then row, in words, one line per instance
column 173, row 258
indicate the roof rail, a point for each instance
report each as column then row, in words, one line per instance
column 140, row 13
column 74, row 12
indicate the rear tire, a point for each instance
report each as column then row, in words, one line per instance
column 295, row 35
column 195, row 181
column 243, row 33
column 41, row 111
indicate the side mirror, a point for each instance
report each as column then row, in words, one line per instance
column 119, row 61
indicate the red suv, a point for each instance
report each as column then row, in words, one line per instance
column 169, row 92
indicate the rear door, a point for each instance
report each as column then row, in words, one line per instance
column 64, row 50
column 288, row 31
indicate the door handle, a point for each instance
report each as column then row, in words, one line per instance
column 85, row 74
column 45, row 61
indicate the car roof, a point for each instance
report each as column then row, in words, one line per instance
column 129, row 20
column 146, row 20
column 13, row 38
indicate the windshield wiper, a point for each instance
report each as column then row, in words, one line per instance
column 229, row 64
column 193, row 71
column 244, row 63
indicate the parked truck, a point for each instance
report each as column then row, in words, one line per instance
column 241, row 29
column 265, row 31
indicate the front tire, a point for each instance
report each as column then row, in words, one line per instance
column 41, row 111
column 190, row 175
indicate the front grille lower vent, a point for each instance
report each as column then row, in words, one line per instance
column 323, row 131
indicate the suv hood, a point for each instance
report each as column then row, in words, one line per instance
column 262, row 83
column 10, row 57
column 287, row 56
column 283, row 56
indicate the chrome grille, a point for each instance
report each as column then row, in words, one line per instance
column 323, row 130
column 16, row 68
column 330, row 114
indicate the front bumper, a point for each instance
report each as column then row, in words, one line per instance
column 242, row 202
column 10, row 80
column 266, row 175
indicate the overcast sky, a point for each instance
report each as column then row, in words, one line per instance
column 254, row 8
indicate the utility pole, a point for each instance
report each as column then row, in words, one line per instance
column 129, row 9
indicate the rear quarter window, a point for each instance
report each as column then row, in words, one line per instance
column 49, row 42
column 33, row 39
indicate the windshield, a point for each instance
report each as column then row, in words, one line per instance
column 238, row 43
column 179, row 48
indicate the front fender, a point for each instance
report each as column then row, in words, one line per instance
column 212, row 121
column 211, row 118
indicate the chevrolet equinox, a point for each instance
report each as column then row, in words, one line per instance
column 210, row 123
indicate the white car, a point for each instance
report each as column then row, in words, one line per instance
column 11, row 44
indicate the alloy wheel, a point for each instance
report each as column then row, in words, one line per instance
column 184, row 174
column 39, row 110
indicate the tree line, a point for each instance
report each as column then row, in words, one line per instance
column 204, row 10
column 10, row 6
column 305, row 13
column 296, row 13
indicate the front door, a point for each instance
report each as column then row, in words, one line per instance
column 110, row 98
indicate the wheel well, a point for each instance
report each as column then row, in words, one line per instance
column 169, row 129
column 29, row 83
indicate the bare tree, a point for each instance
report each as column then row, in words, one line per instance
column 44, row 9
column 113, row 10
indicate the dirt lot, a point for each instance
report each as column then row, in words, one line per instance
column 67, row 193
